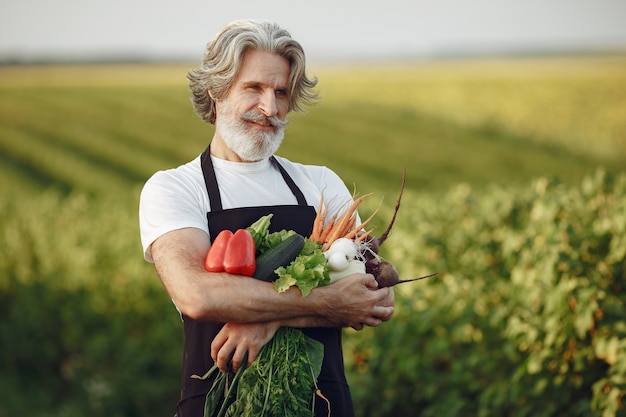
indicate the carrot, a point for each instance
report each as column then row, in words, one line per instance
column 349, row 226
column 328, row 229
column 339, row 230
column 318, row 223
column 326, row 232
column 363, row 236
column 352, row 233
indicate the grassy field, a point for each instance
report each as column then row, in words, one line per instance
column 99, row 128
column 529, row 264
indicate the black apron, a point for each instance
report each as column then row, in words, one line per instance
column 199, row 335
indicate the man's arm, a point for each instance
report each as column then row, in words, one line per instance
column 253, row 309
column 179, row 260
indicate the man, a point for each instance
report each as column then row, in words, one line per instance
column 252, row 75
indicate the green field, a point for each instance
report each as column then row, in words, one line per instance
column 516, row 186
column 98, row 128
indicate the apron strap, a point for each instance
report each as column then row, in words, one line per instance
column 210, row 181
column 292, row 185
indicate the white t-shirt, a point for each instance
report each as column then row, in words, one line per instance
column 177, row 198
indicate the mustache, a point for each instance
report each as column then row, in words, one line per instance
column 254, row 116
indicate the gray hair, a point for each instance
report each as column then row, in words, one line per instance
column 223, row 58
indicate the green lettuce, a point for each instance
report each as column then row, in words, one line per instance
column 306, row 272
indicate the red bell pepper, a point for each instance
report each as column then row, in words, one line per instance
column 234, row 253
column 214, row 261
column 240, row 257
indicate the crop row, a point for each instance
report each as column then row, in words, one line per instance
column 469, row 122
column 574, row 103
column 95, row 140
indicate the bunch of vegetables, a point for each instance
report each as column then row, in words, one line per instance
column 282, row 380
column 350, row 249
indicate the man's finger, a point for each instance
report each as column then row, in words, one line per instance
column 217, row 345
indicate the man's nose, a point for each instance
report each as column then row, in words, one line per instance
column 267, row 105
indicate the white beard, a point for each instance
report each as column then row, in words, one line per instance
column 248, row 144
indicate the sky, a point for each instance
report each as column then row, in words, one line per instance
column 327, row 29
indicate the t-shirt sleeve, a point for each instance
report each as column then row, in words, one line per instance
column 168, row 203
column 344, row 197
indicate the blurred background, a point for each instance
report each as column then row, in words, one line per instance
column 509, row 116
column 37, row 30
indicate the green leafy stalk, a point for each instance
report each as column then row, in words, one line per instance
column 282, row 380
column 232, row 387
column 259, row 230
column 215, row 396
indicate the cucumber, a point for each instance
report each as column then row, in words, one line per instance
column 280, row 255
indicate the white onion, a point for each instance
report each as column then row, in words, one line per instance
column 337, row 261
column 354, row 267
column 345, row 246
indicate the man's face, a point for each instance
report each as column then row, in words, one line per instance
column 251, row 119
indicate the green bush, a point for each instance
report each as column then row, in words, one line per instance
column 526, row 317
column 86, row 328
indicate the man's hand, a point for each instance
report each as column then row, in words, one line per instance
column 356, row 301
column 235, row 340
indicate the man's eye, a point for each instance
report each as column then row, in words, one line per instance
column 281, row 93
